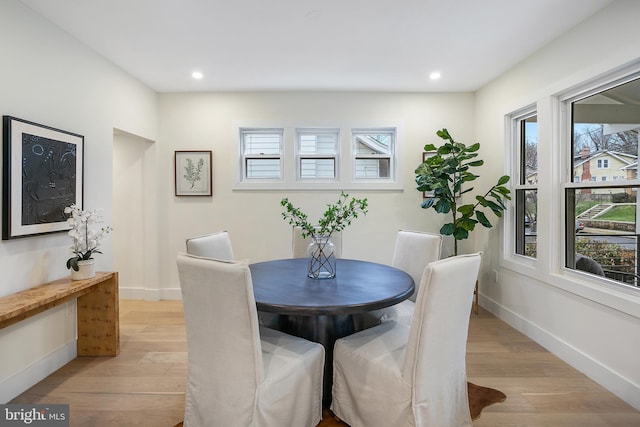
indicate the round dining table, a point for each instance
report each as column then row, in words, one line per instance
column 321, row 310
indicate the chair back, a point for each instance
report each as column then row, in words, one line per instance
column 223, row 341
column 413, row 251
column 215, row 245
column 299, row 245
column 435, row 357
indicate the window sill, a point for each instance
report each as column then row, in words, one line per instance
column 318, row 186
column 601, row 291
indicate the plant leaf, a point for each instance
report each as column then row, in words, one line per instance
column 447, row 229
column 482, row 219
column 503, row 179
column 427, row 203
column 466, row 210
column 467, row 223
column 444, row 134
column 443, row 206
column 474, row 147
column 460, row 233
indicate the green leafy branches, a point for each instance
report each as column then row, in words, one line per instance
column 446, row 175
column 193, row 174
column 336, row 218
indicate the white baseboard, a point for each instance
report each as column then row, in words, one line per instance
column 170, row 294
column 131, row 293
column 140, row 293
column 28, row 377
column 619, row 385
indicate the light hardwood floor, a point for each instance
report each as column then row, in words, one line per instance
column 144, row 385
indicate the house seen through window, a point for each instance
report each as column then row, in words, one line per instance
column 373, row 150
column 601, row 200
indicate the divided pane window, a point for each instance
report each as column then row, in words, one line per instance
column 317, row 153
column 261, row 153
column 601, row 217
column 525, row 131
column 374, row 151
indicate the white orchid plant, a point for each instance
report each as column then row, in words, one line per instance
column 86, row 239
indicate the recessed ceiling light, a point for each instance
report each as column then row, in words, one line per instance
column 434, row 76
column 197, row 75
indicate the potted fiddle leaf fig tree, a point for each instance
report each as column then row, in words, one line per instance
column 447, row 176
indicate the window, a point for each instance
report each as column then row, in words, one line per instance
column 602, row 226
column 317, row 153
column 373, row 151
column 525, row 135
column 316, row 159
column 261, row 153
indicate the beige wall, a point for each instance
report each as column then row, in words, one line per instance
column 211, row 121
column 50, row 78
column 592, row 326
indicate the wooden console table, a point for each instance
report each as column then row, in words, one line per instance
column 97, row 308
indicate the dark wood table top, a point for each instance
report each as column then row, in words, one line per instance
column 282, row 286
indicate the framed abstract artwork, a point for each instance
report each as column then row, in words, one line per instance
column 42, row 174
column 193, row 175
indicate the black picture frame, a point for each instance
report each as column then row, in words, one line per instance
column 42, row 173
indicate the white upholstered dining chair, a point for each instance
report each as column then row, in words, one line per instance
column 413, row 251
column 218, row 246
column 215, row 245
column 395, row 375
column 299, row 244
column 240, row 373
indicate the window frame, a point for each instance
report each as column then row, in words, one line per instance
column 299, row 156
column 516, row 132
column 391, row 156
column 244, row 131
column 568, row 182
column 553, row 150
column 290, row 172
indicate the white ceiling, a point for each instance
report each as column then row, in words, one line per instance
column 378, row 45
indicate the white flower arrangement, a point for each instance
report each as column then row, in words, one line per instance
column 86, row 240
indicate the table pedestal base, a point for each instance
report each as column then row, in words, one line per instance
column 323, row 329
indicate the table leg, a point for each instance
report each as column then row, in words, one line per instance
column 322, row 329
column 98, row 320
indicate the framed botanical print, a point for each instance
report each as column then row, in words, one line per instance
column 193, row 173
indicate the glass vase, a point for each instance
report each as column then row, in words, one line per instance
column 322, row 259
